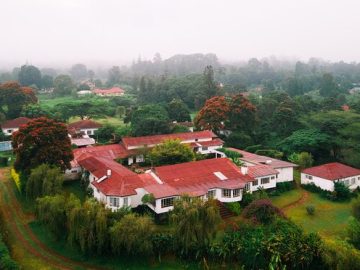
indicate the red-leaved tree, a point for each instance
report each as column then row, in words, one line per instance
column 41, row 141
column 213, row 115
column 242, row 114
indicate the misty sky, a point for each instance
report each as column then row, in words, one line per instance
column 51, row 32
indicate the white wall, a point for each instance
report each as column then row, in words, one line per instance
column 92, row 131
column 11, row 131
column 329, row 184
column 285, row 174
column 73, row 174
column 271, row 184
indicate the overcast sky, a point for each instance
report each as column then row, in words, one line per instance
column 44, row 32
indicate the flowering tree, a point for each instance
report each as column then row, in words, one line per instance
column 13, row 98
column 213, row 114
column 242, row 113
column 40, row 141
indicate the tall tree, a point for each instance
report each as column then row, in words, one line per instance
column 213, row 115
column 210, row 84
column 242, row 114
column 63, row 85
column 78, row 72
column 328, row 86
column 13, row 98
column 47, row 81
column 42, row 141
column 178, row 111
column 30, row 75
column 114, row 76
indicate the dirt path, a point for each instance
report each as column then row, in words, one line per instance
column 17, row 224
column 304, row 198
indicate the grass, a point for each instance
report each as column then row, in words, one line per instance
column 287, row 197
column 330, row 219
column 107, row 120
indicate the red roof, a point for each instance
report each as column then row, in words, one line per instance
column 121, row 182
column 15, row 123
column 332, row 171
column 260, row 170
column 197, row 177
column 257, row 159
column 156, row 139
column 111, row 151
column 114, row 90
column 84, row 124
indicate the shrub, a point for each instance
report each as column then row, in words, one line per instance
column 247, row 199
column 310, row 209
column 253, row 148
column 16, row 177
column 6, row 262
column 353, row 232
column 163, row 243
column 340, row 255
column 284, row 186
column 262, row 211
column 342, row 192
column 233, row 207
column 4, row 161
column 230, row 153
column 270, row 153
column 356, row 208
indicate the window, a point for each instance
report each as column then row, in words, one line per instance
column 9, row 130
column 265, row 180
column 167, row 202
column 346, row 182
column 272, row 177
column 353, row 180
column 236, row 192
column 308, row 177
column 74, row 171
column 211, row 193
column 126, row 202
column 196, row 140
column 255, row 183
column 226, row 193
column 247, row 186
column 204, row 148
column 114, row 201
column 88, row 132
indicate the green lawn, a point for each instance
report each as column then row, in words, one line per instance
column 287, row 197
column 114, row 121
column 330, row 218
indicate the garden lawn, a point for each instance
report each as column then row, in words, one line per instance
column 287, row 197
column 330, row 219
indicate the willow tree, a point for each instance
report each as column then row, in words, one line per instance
column 44, row 180
column 195, row 222
column 88, row 227
column 133, row 235
column 53, row 211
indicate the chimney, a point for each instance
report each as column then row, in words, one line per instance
column 268, row 161
column 244, row 170
column 108, row 173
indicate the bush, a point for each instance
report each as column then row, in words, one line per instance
column 262, row 211
column 253, row 148
column 233, row 207
column 247, row 199
column 4, row 161
column 284, row 186
column 340, row 193
column 310, row 209
column 239, row 140
column 270, row 153
column 6, row 262
column 356, row 208
column 16, row 177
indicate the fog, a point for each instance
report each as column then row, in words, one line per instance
column 106, row 32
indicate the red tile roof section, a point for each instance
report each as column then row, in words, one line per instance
column 121, row 182
column 257, row 159
column 332, row 171
column 15, row 123
column 156, row 139
column 261, row 170
column 84, row 124
column 114, row 90
column 198, row 177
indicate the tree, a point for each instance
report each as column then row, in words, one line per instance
column 210, row 85
column 303, row 159
column 105, row 133
column 88, row 227
column 53, row 211
column 113, row 76
column 63, row 85
column 195, row 222
column 171, row 152
column 328, row 87
column 30, row 75
column 78, row 72
column 47, row 82
column 262, row 211
column 44, row 180
column 42, row 140
column 150, row 120
column 242, row 114
column 13, row 98
column 239, row 140
column 213, row 115
column 178, row 111
column 132, row 235
column 35, row 111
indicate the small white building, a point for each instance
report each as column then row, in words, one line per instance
column 324, row 176
column 112, row 92
column 87, row 127
column 10, row 126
